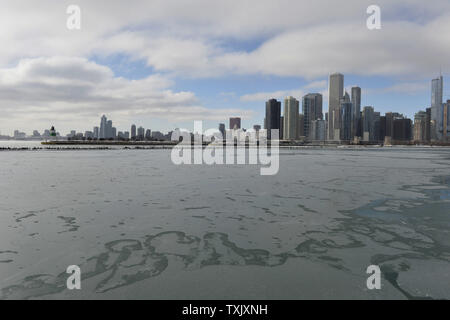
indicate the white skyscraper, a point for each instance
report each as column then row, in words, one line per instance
column 335, row 94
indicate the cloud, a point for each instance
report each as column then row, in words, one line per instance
column 319, row 85
column 264, row 96
column 74, row 89
column 206, row 38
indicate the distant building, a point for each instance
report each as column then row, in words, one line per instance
column 402, row 130
column 428, row 125
column 376, row 126
column 157, row 135
column 312, row 110
column 235, row 123
column 346, row 117
column 148, row 134
column 356, row 106
column 140, row 133
column 96, row 132
column 437, row 88
column 446, row 123
column 420, row 120
column 301, row 124
column 318, row 130
column 281, row 128
column 291, row 106
column 103, row 128
column 133, row 131
column 222, row 130
column 109, row 130
column 382, row 129
column 367, row 124
column 273, row 114
column 335, row 93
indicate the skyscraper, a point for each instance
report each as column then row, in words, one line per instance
column 367, row 124
column 301, row 126
column 376, row 126
column 428, row 125
column 356, row 104
column 346, row 117
column 273, row 114
column 446, row 124
column 402, row 130
column 148, row 134
column 96, row 132
column 318, row 130
column 222, row 130
column 133, row 131
column 235, row 123
column 312, row 110
column 103, row 127
column 420, row 119
column 437, row 87
column 336, row 89
column 291, row 106
column 141, row 133
column 109, row 130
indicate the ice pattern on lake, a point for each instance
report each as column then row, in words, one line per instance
column 140, row 227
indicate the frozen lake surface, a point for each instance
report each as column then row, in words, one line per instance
column 140, row 227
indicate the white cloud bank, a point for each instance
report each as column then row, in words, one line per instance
column 71, row 90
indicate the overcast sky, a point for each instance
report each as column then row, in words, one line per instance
column 163, row 64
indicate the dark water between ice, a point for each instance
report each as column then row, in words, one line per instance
column 140, row 227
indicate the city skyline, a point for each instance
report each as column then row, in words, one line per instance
column 346, row 123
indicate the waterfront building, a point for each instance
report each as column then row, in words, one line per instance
column 291, row 106
column 446, row 123
column 402, row 130
column 273, row 116
column 318, row 130
column 235, row 123
column 437, row 88
column 140, row 133
column 335, row 92
column 281, row 128
column 96, row 132
column 420, row 119
column 222, row 130
column 367, row 123
column 346, row 117
column 148, row 134
column 312, row 110
column 103, row 127
column 300, row 127
column 356, row 105
column 133, row 131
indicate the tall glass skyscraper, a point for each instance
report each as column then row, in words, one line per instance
column 437, row 87
column 312, row 110
column 346, row 118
